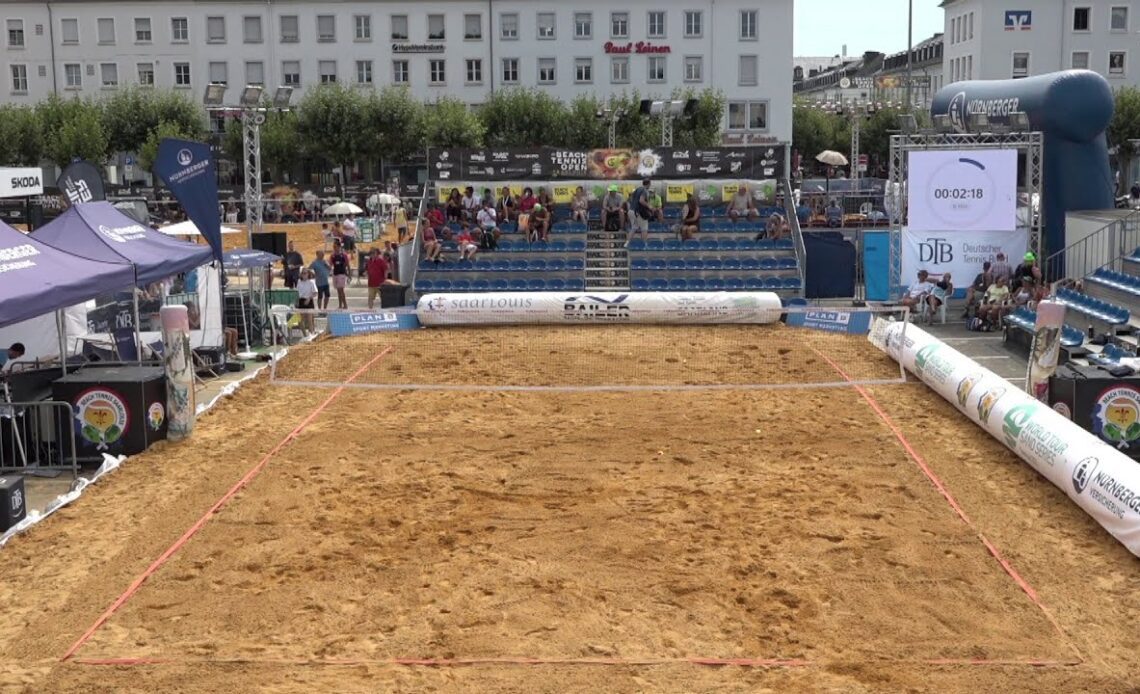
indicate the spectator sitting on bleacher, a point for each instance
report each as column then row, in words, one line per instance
column 472, row 203
column 977, row 290
column 690, row 218
column 657, row 207
column 455, row 205
column 742, row 205
column 545, row 200
column 488, row 230
column 995, row 302
column 1026, row 273
column 942, row 290
column 489, row 196
column 540, row 223
column 508, row 208
column 918, row 291
column 432, row 246
column 613, row 210
column 527, row 201
column 579, row 205
column 466, row 245
column 434, row 218
column 834, row 214
column 1134, row 196
column 1000, row 268
column 776, row 227
column 639, row 212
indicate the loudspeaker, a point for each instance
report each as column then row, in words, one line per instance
column 12, row 506
column 392, row 295
column 271, row 242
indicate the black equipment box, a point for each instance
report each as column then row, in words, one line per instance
column 1098, row 402
column 13, row 502
column 119, row 410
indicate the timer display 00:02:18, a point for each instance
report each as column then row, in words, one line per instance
column 959, row 193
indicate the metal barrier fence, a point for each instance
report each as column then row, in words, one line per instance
column 1104, row 248
column 37, row 437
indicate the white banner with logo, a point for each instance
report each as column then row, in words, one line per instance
column 567, row 308
column 1097, row 477
column 958, row 252
column 15, row 183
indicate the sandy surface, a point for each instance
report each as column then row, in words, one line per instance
column 640, row 529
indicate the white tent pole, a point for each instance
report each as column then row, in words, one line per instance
column 61, row 330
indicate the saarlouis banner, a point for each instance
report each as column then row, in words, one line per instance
column 960, row 253
column 187, row 168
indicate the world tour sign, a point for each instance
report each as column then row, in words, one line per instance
column 640, row 47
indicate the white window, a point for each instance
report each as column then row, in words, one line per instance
column 757, row 115
column 694, row 23
column 694, row 68
column 546, row 71
column 1119, row 18
column 1082, row 18
column 215, row 29
column 545, row 25
column 15, row 33
column 326, row 28
column 1080, row 60
column 105, row 31
column 143, row 33
column 255, row 72
column 1021, row 64
column 1116, row 61
column 399, row 27
column 583, row 25
column 748, row 115
column 619, row 70
column 436, row 28
column 509, row 26
column 182, row 74
column 363, row 25
column 584, row 70
column 219, row 73
column 251, row 29
column 326, row 70
column 73, row 75
column 748, row 21
column 619, row 25
column 510, row 70
column 970, row 23
column 437, row 71
column 399, row 72
column 290, row 29
column 69, row 30
column 969, row 67
column 19, row 78
column 179, row 29
column 291, row 73
column 656, row 68
column 655, row 24
column 146, row 74
column 364, row 72
column 474, row 71
column 473, row 27
column 749, row 71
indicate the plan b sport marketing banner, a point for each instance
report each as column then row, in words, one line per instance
column 605, row 164
column 961, row 212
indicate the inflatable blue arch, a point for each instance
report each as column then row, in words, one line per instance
column 1072, row 109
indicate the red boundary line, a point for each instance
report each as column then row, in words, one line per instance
column 926, row 470
column 201, row 522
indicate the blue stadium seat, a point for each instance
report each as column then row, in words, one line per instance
column 659, row 226
column 659, row 285
column 709, row 244
column 506, row 245
column 754, row 283
column 520, row 265
column 773, row 283
column 787, row 263
column 639, row 263
column 640, row 284
column 791, row 283
column 769, row 264
column 637, row 245
column 536, row 285
column 518, row 285
column 784, row 244
column 696, row 285
column 694, row 264
column 424, row 286
column 425, row 265
column 727, row 244
column 509, row 227
column 575, row 285
column 654, row 245
column 766, row 245
column 461, row 285
column 576, row 246
column 500, row 285
column 675, row 264
column 480, row 285
column 672, row 212
column 556, row 265
column 734, row 284
column 556, row 284
column 678, row 284
column 443, row 285
column 499, row 265
column 538, row 265
column 713, row 263
column 556, row 247
column 714, row 284
column 691, row 245
column 575, row 263
column 750, row 263
column 731, row 263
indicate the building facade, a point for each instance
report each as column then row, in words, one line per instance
column 877, row 79
column 991, row 41
column 462, row 48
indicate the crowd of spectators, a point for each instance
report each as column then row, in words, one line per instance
column 995, row 292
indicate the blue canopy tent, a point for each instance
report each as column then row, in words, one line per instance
column 246, row 258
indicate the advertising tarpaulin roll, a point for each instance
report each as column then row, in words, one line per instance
column 187, row 168
column 961, row 253
column 576, row 308
column 1046, row 348
column 81, row 181
column 1098, row 478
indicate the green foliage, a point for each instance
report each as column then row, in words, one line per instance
column 280, row 143
column 395, row 123
column 449, row 123
column 875, row 134
column 21, row 141
column 330, row 121
column 148, row 151
column 72, row 128
column 1125, row 123
column 131, row 115
column 584, row 130
column 524, row 118
column 814, row 130
column 703, row 127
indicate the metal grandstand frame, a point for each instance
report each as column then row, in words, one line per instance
column 1031, row 143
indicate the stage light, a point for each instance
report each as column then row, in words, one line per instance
column 282, row 97
column 215, row 94
column 942, row 122
column 1019, row 120
column 978, row 122
column 251, row 95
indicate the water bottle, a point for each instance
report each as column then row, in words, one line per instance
column 1092, row 333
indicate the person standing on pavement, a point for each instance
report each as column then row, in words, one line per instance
column 293, row 263
column 341, row 266
column 377, row 275
column 321, row 272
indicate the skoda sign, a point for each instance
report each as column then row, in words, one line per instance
column 15, row 183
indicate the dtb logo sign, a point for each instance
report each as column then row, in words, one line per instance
column 935, row 251
column 1018, row 20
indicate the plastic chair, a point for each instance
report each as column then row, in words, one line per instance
column 481, row 286
column 659, row 285
column 461, row 285
column 500, row 285
column 714, row 284
column 518, row 285
column 787, row 263
column 556, row 284
column 424, row 286
column 773, row 283
column 733, row 284
column 637, row 245
column 556, row 265
column 640, row 284
column 678, row 284
column 639, row 263
column 536, row 285
column 769, row 264
column 675, row 264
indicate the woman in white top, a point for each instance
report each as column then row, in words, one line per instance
column 306, row 294
column 580, row 205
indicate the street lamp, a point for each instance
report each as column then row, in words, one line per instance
column 611, row 116
column 668, row 111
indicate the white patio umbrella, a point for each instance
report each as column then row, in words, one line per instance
column 341, row 209
column 188, row 228
column 382, row 199
column 831, row 158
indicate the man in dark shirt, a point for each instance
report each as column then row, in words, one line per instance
column 1027, row 273
column 640, row 211
column 293, row 264
column 977, row 290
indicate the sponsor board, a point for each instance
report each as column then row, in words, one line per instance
column 345, row 324
column 15, row 183
column 966, row 386
column 103, row 417
column 988, row 399
column 960, row 253
column 849, row 322
column 155, row 416
column 1116, row 416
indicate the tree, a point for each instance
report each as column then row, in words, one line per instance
column 702, row 128
column 584, row 130
column 1125, row 125
column 633, row 129
column 330, row 121
column 21, row 140
column 395, row 121
column 280, row 144
column 148, row 151
column 449, row 123
column 179, row 109
column 524, row 118
column 131, row 115
column 875, row 134
column 814, row 130
column 72, row 128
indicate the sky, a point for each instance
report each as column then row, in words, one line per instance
column 823, row 26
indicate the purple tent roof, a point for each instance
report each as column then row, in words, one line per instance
column 98, row 231
column 36, row 279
